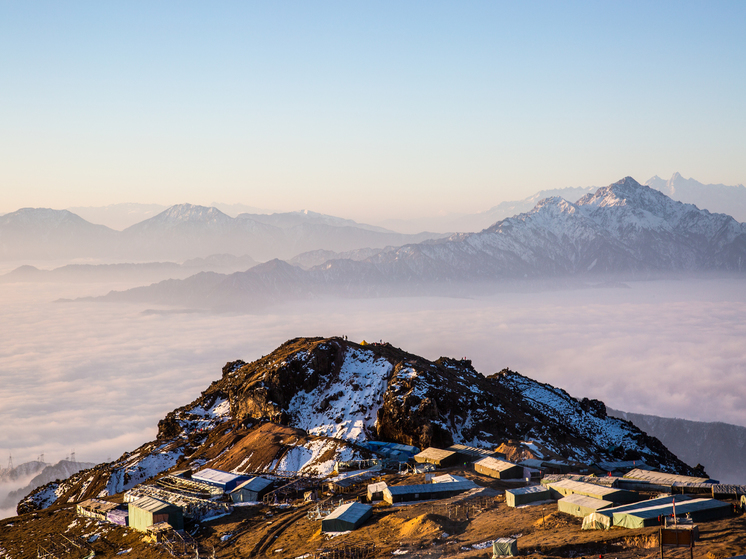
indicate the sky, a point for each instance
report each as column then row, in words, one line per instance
column 366, row 110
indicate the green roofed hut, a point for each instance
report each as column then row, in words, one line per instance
column 498, row 469
column 581, row 505
column 524, row 495
column 347, row 517
column 504, row 547
column 567, row 487
column 437, row 456
column 147, row 511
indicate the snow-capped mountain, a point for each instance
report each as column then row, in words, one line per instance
column 314, row 400
column 719, row 198
column 626, row 229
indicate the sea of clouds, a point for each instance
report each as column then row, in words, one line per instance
column 95, row 378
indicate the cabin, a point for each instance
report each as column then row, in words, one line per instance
column 375, row 491
column 251, row 490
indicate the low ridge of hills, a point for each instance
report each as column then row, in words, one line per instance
column 625, row 230
column 314, row 400
column 719, row 447
column 186, row 231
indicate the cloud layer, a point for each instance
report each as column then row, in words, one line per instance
column 96, row 378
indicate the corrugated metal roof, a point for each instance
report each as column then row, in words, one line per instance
column 527, row 490
column 658, row 501
column 215, row 476
column 351, row 512
column 254, row 484
column 151, row 505
column 470, row 450
column 691, row 505
column 666, row 479
column 435, row 453
column 447, row 478
column 495, row 464
column 587, row 502
column 430, row 487
column 581, row 487
column 377, row 487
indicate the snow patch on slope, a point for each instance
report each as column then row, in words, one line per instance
column 347, row 406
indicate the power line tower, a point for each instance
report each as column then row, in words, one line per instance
column 72, row 456
column 10, row 461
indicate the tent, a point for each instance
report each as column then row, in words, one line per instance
column 499, row 469
column 581, row 505
column 347, row 517
column 524, row 495
column 596, row 521
column 504, row 546
column 569, row 487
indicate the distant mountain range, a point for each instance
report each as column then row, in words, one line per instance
column 719, row 447
column 626, row 230
column 718, row 198
column 185, row 232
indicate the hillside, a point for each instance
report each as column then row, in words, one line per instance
column 313, row 400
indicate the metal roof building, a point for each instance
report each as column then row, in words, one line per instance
column 148, row 511
column 251, row 490
column 224, row 480
column 525, row 495
column 569, row 487
column 700, row 510
column 426, row 491
column 661, row 478
column 472, row 454
column 581, row 506
column 498, row 469
column 437, row 456
column 347, row 517
column 95, row 508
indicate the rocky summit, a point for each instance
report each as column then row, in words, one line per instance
column 314, row 401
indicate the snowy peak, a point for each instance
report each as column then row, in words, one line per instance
column 184, row 213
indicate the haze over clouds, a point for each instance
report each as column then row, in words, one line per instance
column 97, row 377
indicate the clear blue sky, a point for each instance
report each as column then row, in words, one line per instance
column 366, row 110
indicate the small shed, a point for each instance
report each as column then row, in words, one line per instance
column 426, row 491
column 504, row 547
column 347, row 517
column 375, row 491
column 581, row 505
column 438, row 457
column 251, row 490
column 147, row 511
column 218, row 478
column 567, row 487
column 498, row 469
column 525, row 495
